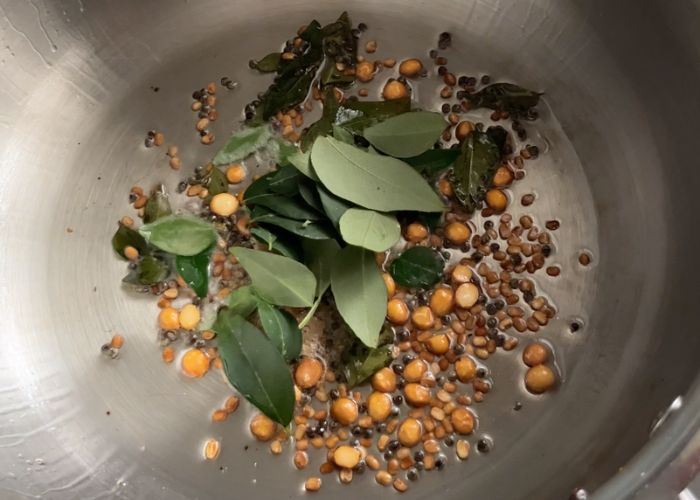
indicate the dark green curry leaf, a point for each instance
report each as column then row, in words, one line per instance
column 473, row 170
column 339, row 45
column 361, row 362
column 307, row 190
column 151, row 270
column 433, row 161
column 215, row 182
column 194, row 270
column 280, row 241
column 242, row 301
column 281, row 328
column 267, row 64
column 258, row 188
column 500, row 137
column 255, row 367
column 506, row 97
column 334, row 206
column 324, row 125
column 179, row 234
column 355, row 116
column 156, row 207
column 417, row 267
column 127, row 237
column 292, row 207
column 307, row 229
column 285, row 180
column 319, row 256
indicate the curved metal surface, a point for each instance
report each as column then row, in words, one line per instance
column 76, row 100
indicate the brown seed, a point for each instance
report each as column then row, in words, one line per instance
column 462, row 449
column 196, row 106
column 553, row 270
column 400, row 485
column 117, row 341
column 410, row 68
column 423, row 318
column 416, row 394
column 383, row 478
column 552, row 225
column 219, row 416
column 326, row 468
column 276, row 447
column 371, row 46
column 346, row 456
column 414, row 371
column 363, row 92
column 463, row 130
column 345, row 476
column 372, row 462
column 140, row 202
column 344, row 411
column 379, row 406
column 262, row 427
column 438, row 344
column 212, row 448
column 584, row 259
column 539, row 379
column 384, row 380
column 449, row 79
column 527, row 199
column 202, row 124
column 462, row 420
column 159, row 139
column 410, row 432
column 364, row 71
column 535, row 354
column 308, row 373
column 313, row 484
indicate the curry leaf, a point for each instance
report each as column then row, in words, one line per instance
column 156, row 207
column 309, row 193
column 417, row 267
column 149, row 271
column 267, row 64
column 242, row 301
column 282, row 242
column 255, row 367
column 356, row 116
column 194, row 270
column 302, row 162
column 339, row 44
column 433, row 161
column 283, row 150
column 333, row 206
column 127, row 237
column 277, row 279
column 369, row 229
column 215, row 182
column 357, row 370
column 259, row 188
column 292, row 207
column 281, row 329
column 324, row 125
column 372, row 181
column 343, row 135
column 179, row 234
column 408, row 134
column 359, row 291
column 307, row 229
column 319, row 256
column 242, row 144
column 284, row 180
column 473, row 170
column 506, row 97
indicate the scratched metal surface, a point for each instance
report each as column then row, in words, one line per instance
column 619, row 171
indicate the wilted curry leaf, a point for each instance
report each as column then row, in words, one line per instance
column 473, row 170
column 506, row 97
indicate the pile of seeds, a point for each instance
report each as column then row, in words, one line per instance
column 419, row 413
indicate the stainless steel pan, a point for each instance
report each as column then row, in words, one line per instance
column 76, row 98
